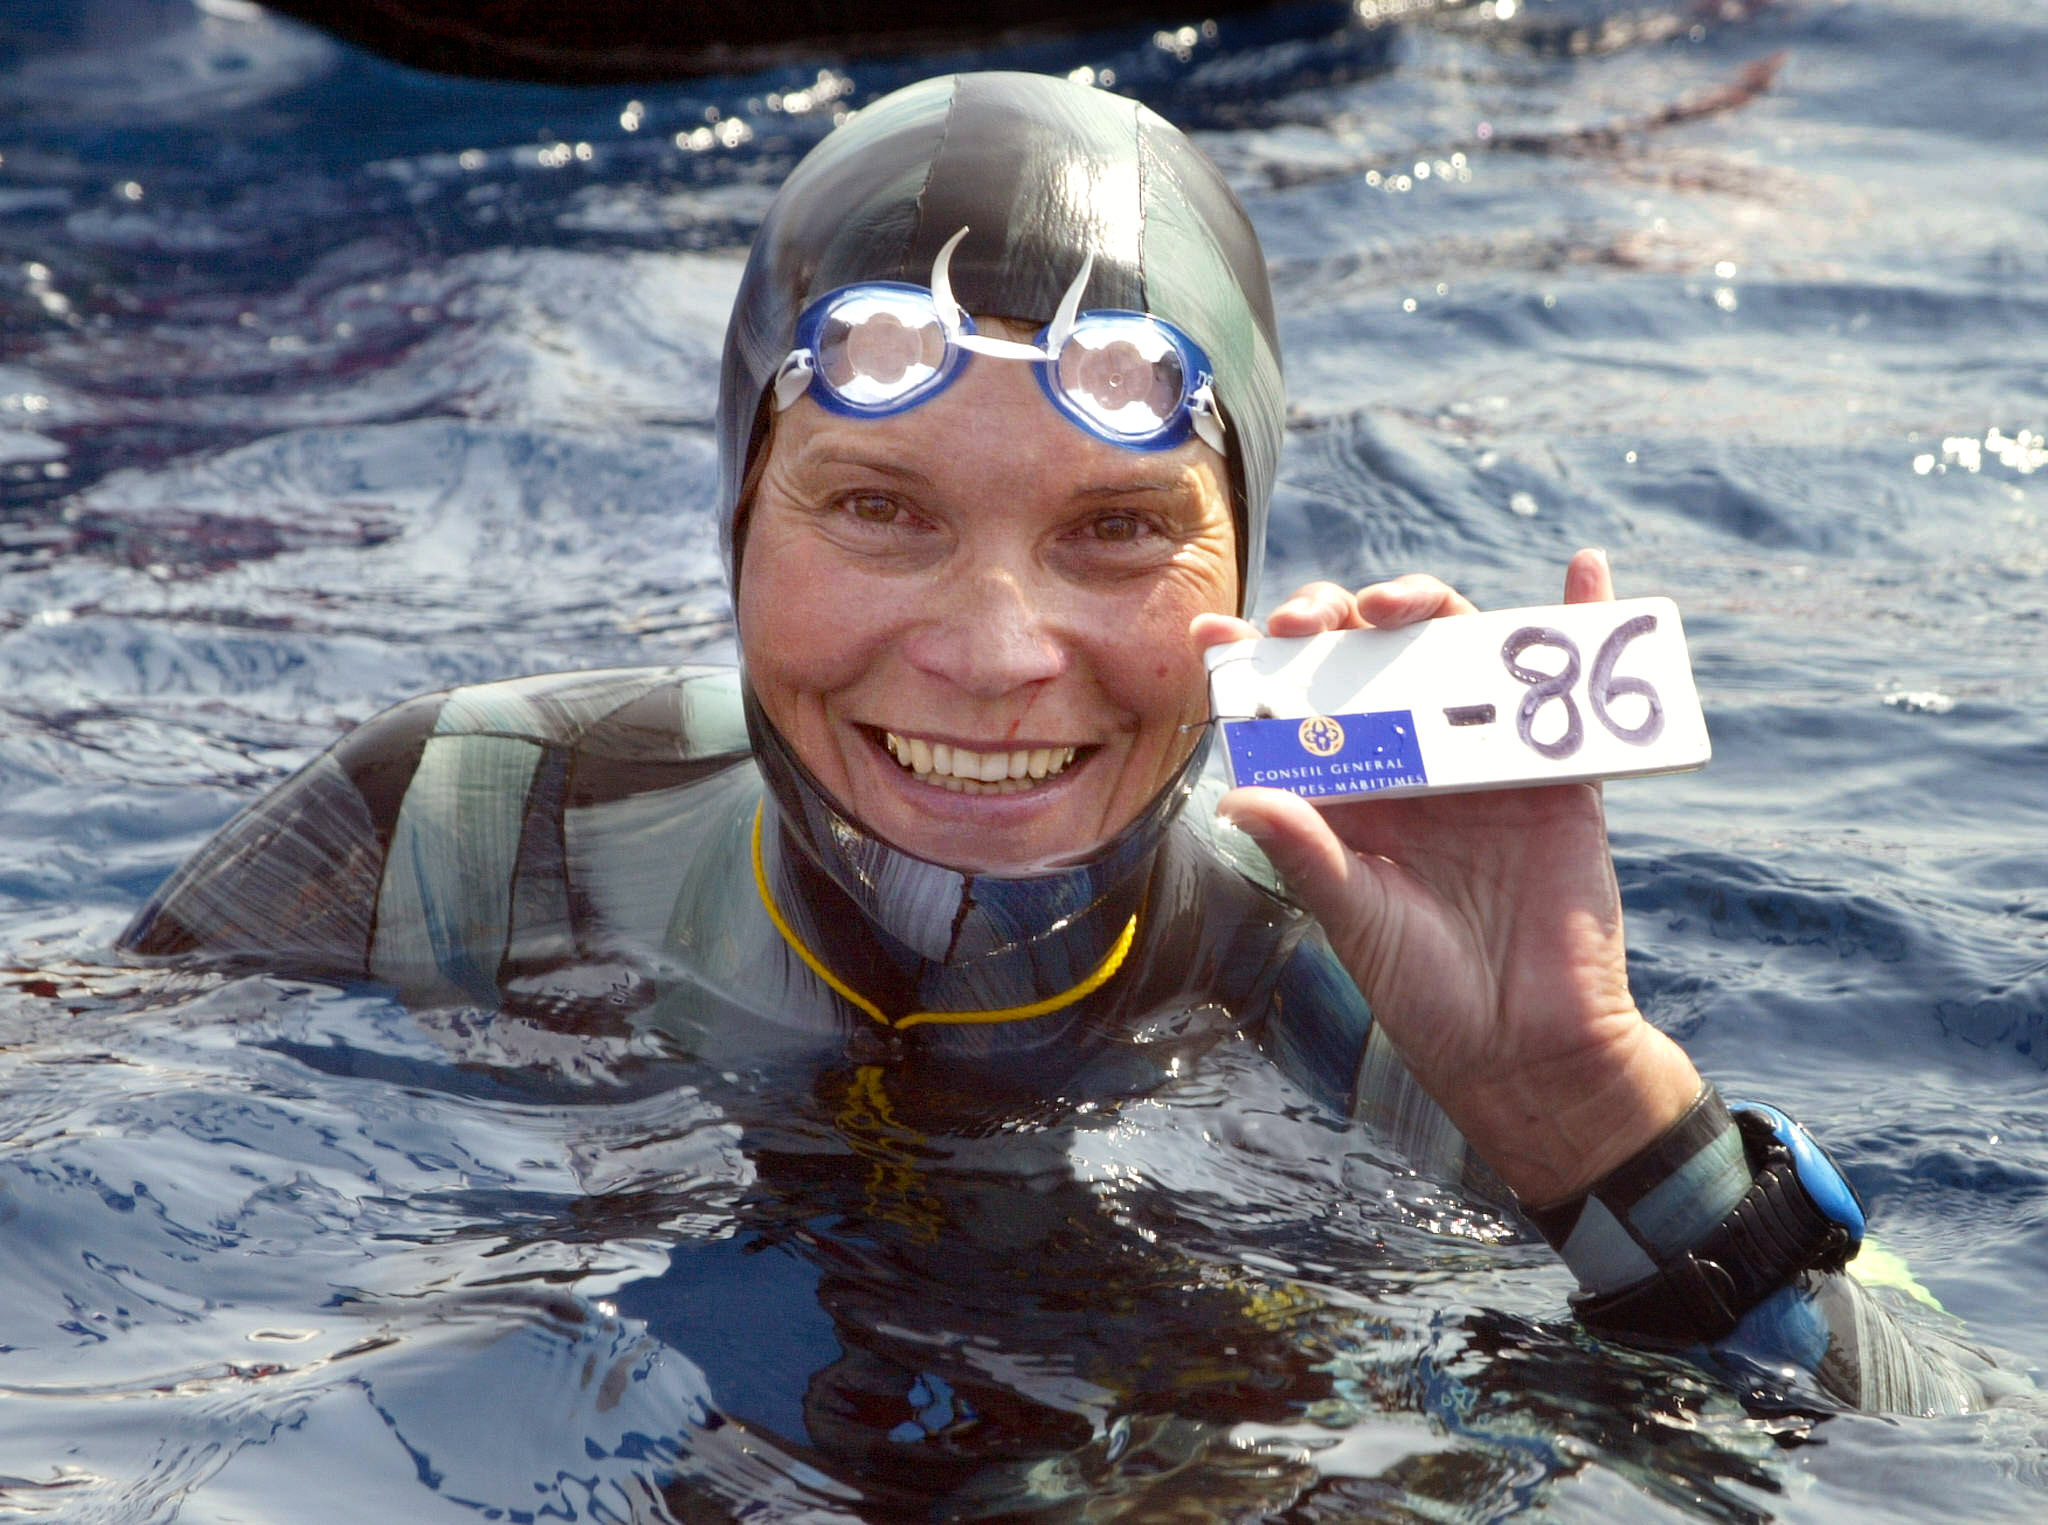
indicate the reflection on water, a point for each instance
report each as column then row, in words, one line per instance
column 323, row 1237
column 323, row 382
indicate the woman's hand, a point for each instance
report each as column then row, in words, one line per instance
column 1484, row 929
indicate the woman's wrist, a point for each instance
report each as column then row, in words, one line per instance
column 1551, row 1130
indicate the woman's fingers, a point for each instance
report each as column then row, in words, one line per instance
column 1215, row 629
column 1409, row 600
column 1589, row 579
column 1321, row 606
column 1313, row 609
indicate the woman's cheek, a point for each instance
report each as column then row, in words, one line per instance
column 1172, row 668
column 827, row 635
column 1150, row 669
column 800, row 598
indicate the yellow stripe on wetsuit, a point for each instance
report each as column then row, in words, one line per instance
column 1092, row 982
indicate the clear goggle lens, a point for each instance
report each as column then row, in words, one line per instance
column 1123, row 375
column 881, row 348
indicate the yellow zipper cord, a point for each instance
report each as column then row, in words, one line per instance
column 1092, row 982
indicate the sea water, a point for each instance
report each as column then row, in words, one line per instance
column 324, row 382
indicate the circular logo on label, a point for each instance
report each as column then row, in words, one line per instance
column 1322, row 736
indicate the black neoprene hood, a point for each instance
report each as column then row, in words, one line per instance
column 1043, row 172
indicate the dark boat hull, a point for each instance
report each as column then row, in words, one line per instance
column 601, row 41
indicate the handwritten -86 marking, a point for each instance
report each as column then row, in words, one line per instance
column 1602, row 687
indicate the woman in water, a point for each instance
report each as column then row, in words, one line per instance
column 999, row 418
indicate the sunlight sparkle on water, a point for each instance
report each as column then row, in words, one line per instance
column 2024, row 453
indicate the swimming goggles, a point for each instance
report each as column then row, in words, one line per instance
column 881, row 347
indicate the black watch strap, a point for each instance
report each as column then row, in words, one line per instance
column 1775, row 1232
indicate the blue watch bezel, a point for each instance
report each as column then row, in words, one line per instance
column 1819, row 1176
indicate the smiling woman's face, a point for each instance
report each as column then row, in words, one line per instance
column 971, row 619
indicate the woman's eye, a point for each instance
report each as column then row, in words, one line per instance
column 1119, row 527
column 872, row 508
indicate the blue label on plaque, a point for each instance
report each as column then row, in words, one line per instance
column 1327, row 754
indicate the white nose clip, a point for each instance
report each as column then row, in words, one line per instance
column 953, row 317
column 1208, row 423
column 793, row 379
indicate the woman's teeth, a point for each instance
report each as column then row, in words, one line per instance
column 968, row 772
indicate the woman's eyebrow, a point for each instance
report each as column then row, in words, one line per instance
column 1129, row 486
column 879, row 463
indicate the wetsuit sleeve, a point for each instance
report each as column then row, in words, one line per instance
column 1635, row 1237
column 428, row 848
column 291, row 883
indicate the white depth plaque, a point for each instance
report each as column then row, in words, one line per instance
column 1498, row 700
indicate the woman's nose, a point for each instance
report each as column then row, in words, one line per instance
column 989, row 634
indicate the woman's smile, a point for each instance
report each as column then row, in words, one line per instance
column 970, row 771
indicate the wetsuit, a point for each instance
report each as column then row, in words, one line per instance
column 597, row 849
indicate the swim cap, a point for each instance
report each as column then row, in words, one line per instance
column 1044, row 173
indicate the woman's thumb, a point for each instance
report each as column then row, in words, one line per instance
column 1320, row 871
